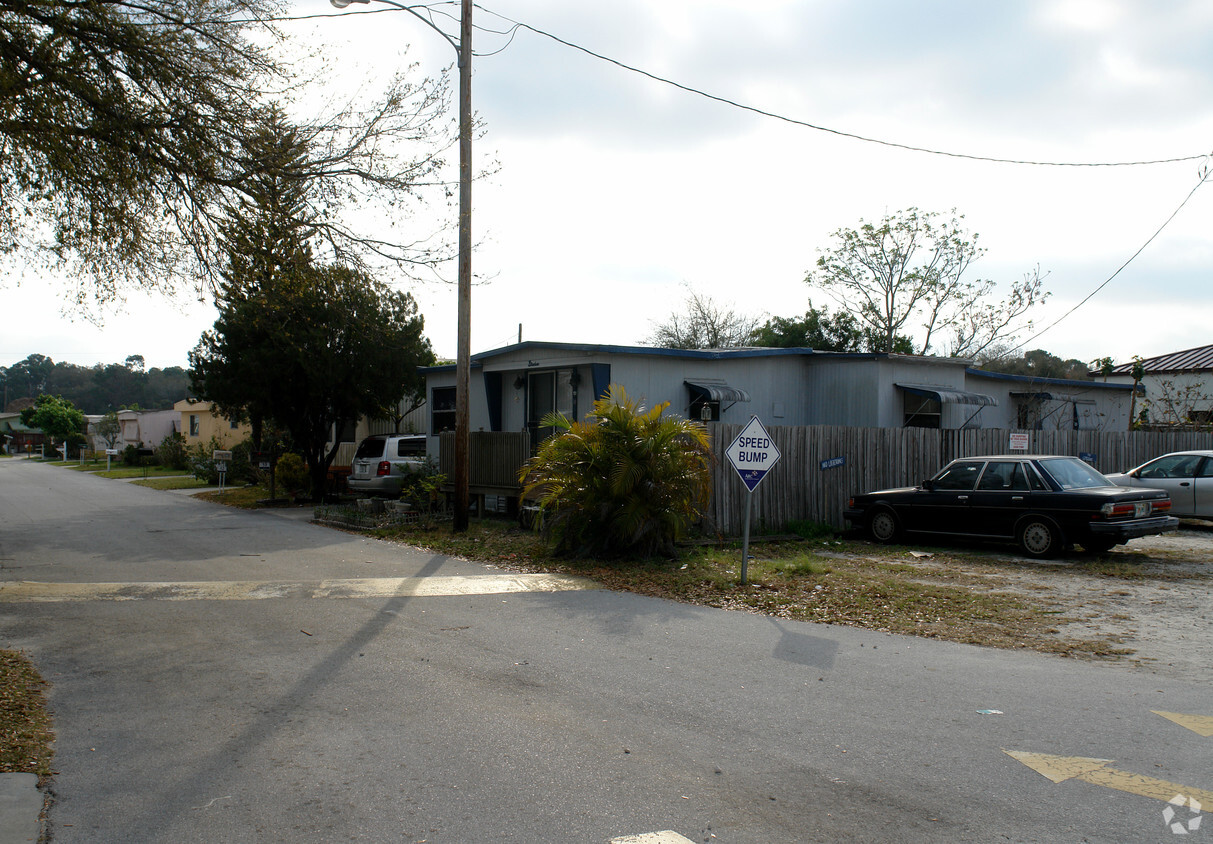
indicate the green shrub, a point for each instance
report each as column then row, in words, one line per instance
column 201, row 462
column 292, row 474
column 423, row 489
column 172, row 452
column 625, row 480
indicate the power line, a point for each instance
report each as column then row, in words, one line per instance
column 838, row 132
column 1204, row 177
column 517, row 25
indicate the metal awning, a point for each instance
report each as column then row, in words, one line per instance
column 715, row 389
column 948, row 395
column 1045, row 396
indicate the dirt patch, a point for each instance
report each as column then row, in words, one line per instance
column 1149, row 602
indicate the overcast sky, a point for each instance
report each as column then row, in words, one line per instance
column 616, row 192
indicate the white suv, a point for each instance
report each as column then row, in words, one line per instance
column 382, row 460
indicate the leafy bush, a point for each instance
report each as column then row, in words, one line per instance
column 292, row 473
column 423, row 489
column 130, row 455
column 202, row 463
column 625, row 480
column 172, row 452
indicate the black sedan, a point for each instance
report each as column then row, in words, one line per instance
column 1044, row 503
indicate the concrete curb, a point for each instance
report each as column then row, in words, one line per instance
column 20, row 809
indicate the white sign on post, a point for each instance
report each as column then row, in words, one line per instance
column 752, row 453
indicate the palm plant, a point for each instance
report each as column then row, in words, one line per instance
column 625, row 479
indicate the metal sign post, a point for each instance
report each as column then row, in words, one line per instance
column 753, row 454
column 221, row 456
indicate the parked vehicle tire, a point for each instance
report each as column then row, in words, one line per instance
column 883, row 526
column 1098, row 546
column 1039, row 538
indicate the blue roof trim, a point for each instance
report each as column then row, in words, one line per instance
column 694, row 354
column 1034, row 380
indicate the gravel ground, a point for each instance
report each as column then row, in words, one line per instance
column 1158, row 603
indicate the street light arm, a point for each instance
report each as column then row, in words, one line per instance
column 342, row 4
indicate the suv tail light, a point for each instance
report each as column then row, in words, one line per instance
column 385, row 468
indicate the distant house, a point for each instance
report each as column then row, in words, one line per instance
column 18, row 438
column 514, row 387
column 145, row 428
column 199, row 424
column 1178, row 387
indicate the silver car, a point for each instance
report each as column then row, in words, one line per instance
column 382, row 461
column 1186, row 475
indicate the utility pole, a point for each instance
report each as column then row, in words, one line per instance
column 463, row 343
column 463, row 354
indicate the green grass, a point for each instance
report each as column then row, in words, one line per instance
column 119, row 472
column 180, row 482
column 26, row 738
column 244, row 497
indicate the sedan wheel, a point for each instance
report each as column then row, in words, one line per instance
column 1038, row 538
column 883, row 526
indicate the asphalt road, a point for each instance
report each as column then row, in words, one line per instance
column 245, row 676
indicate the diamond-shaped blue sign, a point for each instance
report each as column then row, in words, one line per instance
column 752, row 453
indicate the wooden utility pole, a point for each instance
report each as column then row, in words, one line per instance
column 463, row 355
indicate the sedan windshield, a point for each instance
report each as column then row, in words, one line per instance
column 1072, row 473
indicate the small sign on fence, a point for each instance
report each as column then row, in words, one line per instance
column 833, row 463
column 1019, row 441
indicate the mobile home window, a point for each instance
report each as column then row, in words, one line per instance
column 921, row 411
column 442, row 410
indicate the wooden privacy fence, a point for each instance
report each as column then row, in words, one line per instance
column 821, row 466
column 494, row 459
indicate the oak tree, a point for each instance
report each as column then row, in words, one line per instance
column 906, row 276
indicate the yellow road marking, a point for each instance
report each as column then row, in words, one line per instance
column 1096, row 772
column 22, row 591
column 1199, row 724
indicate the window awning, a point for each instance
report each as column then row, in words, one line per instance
column 947, row 395
column 714, row 389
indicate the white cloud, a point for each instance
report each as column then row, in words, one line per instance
column 615, row 189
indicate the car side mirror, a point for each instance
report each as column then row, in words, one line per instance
column 928, row 485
